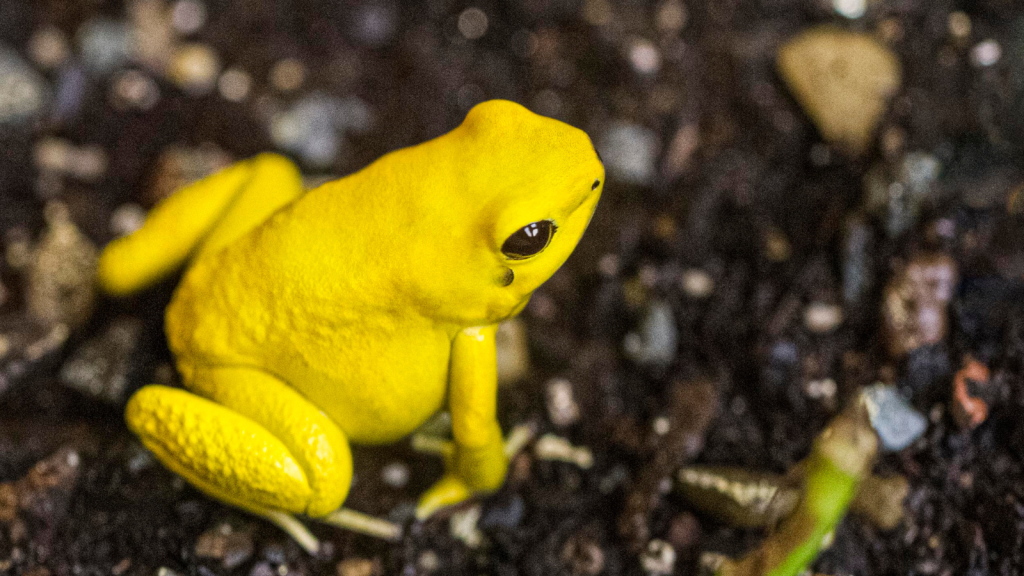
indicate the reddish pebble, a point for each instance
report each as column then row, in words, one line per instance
column 969, row 408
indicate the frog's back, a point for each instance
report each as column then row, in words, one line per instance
column 310, row 295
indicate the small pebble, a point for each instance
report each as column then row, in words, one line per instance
column 23, row 92
column 851, row 9
column 52, row 154
column 630, row 152
column 473, row 23
column 375, row 22
column 513, row 352
column 671, row 16
column 697, row 283
column 959, row 25
column 428, row 562
column 152, row 35
column 100, row 366
column 287, row 75
column 679, row 156
column 547, row 102
column 88, row 163
column 48, row 47
column 645, row 57
column 463, row 526
column 986, row 53
column 683, row 531
column 843, row 80
column 188, row 16
column 551, row 447
column 134, row 89
column 659, row 559
column 507, row 516
column 194, row 68
column 359, row 567
column 177, row 166
column 71, row 88
column 121, row 567
column 822, row 318
column 583, row 556
column 824, row 389
column 262, row 569
column 858, row 272
column 661, row 425
column 895, row 421
column 60, row 283
column 104, row 44
column 915, row 302
column 561, row 405
column 234, row 85
column 127, row 218
column 608, row 265
column 899, row 197
column 970, row 387
column 314, row 125
column 395, row 474
column 656, row 339
column 231, row 547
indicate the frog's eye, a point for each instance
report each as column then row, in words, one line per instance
column 528, row 240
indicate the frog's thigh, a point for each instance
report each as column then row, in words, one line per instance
column 255, row 443
column 275, row 182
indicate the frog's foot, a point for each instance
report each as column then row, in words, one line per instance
column 255, row 443
column 452, row 488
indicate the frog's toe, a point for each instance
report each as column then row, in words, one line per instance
column 448, row 491
column 452, row 489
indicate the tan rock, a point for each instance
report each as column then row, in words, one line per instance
column 843, row 80
column 915, row 303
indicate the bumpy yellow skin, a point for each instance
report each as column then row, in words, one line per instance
column 350, row 313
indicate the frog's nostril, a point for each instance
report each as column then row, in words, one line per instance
column 595, row 185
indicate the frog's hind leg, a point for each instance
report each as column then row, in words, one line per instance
column 253, row 442
column 198, row 220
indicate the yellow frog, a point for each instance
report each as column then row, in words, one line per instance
column 351, row 313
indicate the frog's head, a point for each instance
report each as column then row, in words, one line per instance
column 526, row 189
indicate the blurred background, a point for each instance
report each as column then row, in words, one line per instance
column 805, row 198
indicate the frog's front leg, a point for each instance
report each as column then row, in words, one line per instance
column 248, row 439
column 478, row 462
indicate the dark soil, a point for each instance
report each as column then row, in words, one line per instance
column 758, row 178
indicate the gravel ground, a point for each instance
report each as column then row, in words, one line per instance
column 793, row 213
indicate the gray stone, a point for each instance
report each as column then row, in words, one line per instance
column 23, row 91
column 897, row 195
column 630, row 152
column 654, row 342
column 315, row 125
column 104, row 44
column 895, row 421
column 101, row 365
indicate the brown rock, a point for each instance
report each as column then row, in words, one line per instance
column 178, row 166
column 222, row 543
column 360, row 567
column 583, row 556
column 44, row 492
column 915, row 303
column 843, row 80
column 61, row 277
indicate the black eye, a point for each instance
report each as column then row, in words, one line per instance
column 528, row 240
